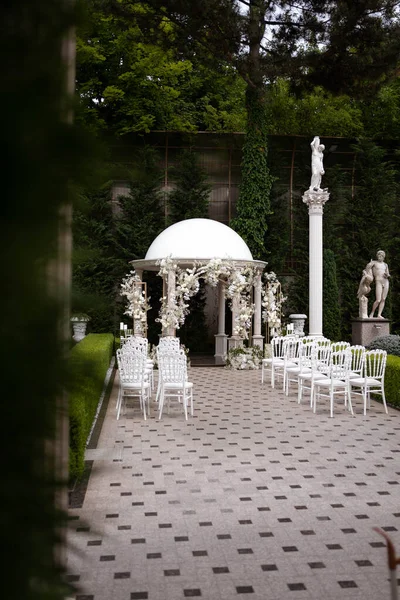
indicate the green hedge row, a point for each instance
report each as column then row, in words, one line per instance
column 392, row 380
column 88, row 363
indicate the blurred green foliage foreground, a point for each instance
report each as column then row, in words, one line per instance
column 42, row 164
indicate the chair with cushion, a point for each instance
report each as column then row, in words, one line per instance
column 276, row 362
column 304, row 365
column 320, row 357
column 357, row 361
column 334, row 380
column 173, row 381
column 133, row 380
column 373, row 378
column 166, row 344
column 291, row 358
column 141, row 344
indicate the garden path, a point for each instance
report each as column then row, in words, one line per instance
column 255, row 496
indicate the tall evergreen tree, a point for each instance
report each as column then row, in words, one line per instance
column 190, row 200
column 141, row 215
column 97, row 265
column 191, row 196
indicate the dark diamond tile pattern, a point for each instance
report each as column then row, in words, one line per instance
column 255, row 496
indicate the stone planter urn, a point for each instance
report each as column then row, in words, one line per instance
column 79, row 324
column 298, row 321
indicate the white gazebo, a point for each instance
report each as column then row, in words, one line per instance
column 197, row 241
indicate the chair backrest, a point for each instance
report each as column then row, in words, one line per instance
column 173, row 366
column 375, row 363
column 338, row 346
column 277, row 346
column 322, row 355
column 169, row 343
column 357, row 359
column 306, row 351
column 291, row 348
column 131, row 366
column 340, row 364
column 137, row 343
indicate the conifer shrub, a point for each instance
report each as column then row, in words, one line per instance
column 390, row 343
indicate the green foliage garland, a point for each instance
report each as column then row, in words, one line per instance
column 253, row 206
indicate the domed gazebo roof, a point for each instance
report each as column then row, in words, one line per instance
column 196, row 240
column 199, row 239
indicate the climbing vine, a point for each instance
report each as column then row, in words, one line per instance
column 253, row 206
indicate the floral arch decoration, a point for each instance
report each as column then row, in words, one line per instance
column 238, row 279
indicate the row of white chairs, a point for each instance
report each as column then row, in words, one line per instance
column 326, row 369
column 136, row 375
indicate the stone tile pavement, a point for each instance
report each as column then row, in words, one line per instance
column 254, row 497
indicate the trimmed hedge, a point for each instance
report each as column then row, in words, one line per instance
column 88, row 364
column 392, row 381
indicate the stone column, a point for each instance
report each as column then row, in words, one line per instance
column 257, row 338
column 234, row 341
column 221, row 337
column 315, row 201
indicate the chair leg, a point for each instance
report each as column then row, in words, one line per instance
column 161, row 403
column 185, row 402
column 348, row 394
column 384, row 400
column 143, row 398
column 311, row 393
column 364, row 395
column 299, row 390
column 121, row 399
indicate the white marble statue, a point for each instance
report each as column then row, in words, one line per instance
column 380, row 271
column 317, row 166
column 363, row 290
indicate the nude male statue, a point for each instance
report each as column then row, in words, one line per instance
column 380, row 271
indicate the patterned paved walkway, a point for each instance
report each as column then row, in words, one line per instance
column 254, row 497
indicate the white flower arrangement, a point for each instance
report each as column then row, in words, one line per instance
column 238, row 281
column 243, row 318
column 138, row 304
column 272, row 301
column 244, row 358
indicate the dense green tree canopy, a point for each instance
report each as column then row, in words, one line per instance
column 126, row 83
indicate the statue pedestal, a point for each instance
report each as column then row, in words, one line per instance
column 366, row 330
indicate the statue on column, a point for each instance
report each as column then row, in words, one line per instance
column 317, row 166
column 376, row 270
